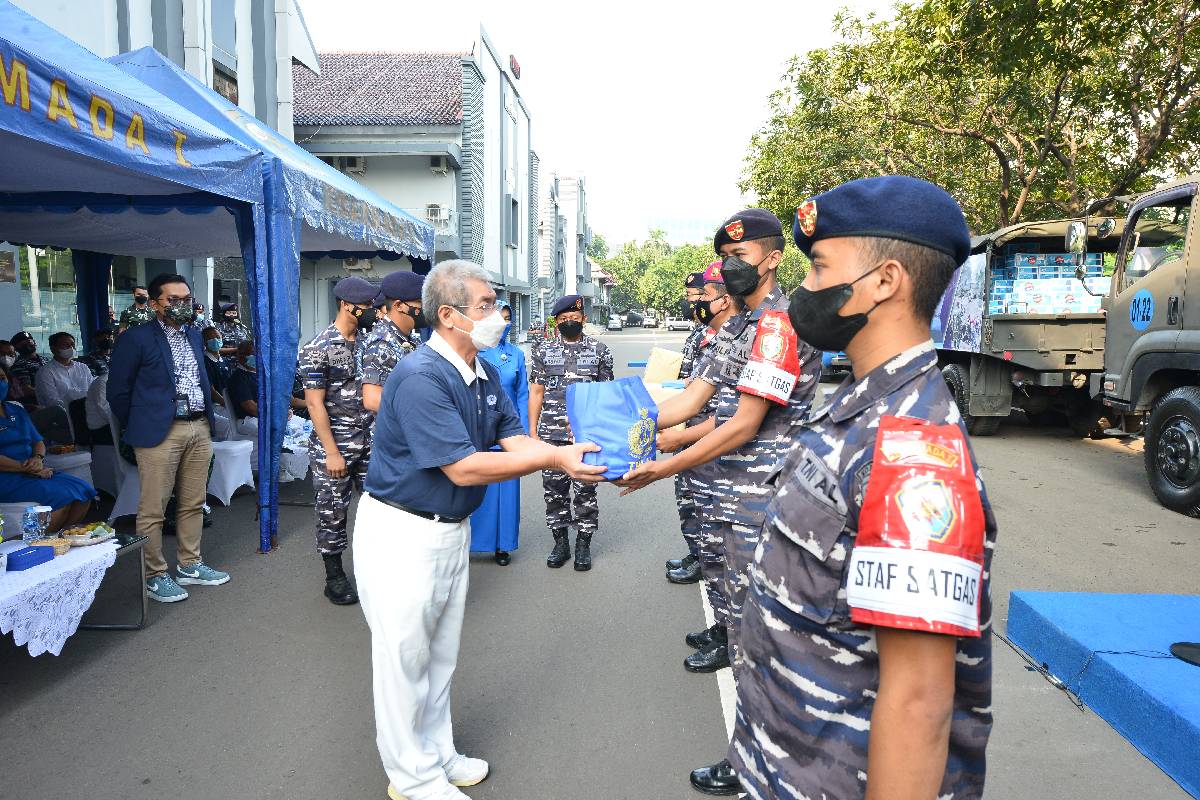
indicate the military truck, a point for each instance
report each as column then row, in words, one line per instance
column 1087, row 320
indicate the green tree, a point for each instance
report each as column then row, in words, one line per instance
column 597, row 248
column 792, row 269
column 1021, row 110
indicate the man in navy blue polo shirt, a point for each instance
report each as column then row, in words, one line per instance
column 441, row 411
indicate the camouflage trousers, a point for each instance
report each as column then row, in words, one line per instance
column 564, row 496
column 689, row 520
column 740, row 541
column 712, row 558
column 333, row 494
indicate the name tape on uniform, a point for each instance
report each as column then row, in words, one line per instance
column 916, row 584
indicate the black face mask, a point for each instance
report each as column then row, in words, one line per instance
column 365, row 318
column 815, row 318
column 687, row 309
column 27, row 348
column 418, row 317
column 740, row 277
column 570, row 329
column 140, row 299
column 704, row 311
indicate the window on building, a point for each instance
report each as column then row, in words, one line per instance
column 47, row 295
column 514, row 222
column 225, row 83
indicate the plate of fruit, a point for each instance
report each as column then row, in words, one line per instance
column 93, row 533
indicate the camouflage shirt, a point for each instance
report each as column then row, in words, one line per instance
column 136, row 315
column 382, row 350
column 556, row 364
column 740, row 493
column 800, row 650
column 233, row 332
column 330, row 362
column 691, row 350
column 25, row 369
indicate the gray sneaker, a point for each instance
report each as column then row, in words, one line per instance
column 200, row 574
column 165, row 590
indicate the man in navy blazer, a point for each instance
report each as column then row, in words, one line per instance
column 159, row 392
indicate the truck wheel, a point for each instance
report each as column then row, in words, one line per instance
column 957, row 382
column 1172, row 450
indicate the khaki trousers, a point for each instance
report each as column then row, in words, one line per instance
column 179, row 464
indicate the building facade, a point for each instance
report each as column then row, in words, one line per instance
column 445, row 136
column 244, row 49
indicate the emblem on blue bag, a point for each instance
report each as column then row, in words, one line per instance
column 641, row 439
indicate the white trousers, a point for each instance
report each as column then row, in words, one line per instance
column 412, row 584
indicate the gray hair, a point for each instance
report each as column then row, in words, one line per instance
column 446, row 285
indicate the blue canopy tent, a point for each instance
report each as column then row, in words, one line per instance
column 311, row 210
column 93, row 160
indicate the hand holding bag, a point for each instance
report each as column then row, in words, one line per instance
column 620, row 417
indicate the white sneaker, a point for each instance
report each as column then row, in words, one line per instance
column 464, row 771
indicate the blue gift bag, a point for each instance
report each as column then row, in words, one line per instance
column 620, row 416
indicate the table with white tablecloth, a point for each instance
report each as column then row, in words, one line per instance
column 41, row 606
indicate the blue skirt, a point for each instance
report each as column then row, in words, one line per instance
column 495, row 525
column 58, row 490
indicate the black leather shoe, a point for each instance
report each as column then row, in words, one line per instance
column 583, row 552
column 561, row 553
column 702, row 640
column 710, row 660
column 676, row 563
column 719, row 779
column 687, row 574
column 502, row 558
column 1187, row 651
column 338, row 588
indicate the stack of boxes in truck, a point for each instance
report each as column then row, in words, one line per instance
column 1045, row 283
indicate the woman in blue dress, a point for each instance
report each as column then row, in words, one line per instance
column 496, row 524
column 23, row 476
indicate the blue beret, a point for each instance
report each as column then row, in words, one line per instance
column 355, row 290
column 571, row 302
column 889, row 207
column 402, row 286
column 750, row 223
column 694, row 281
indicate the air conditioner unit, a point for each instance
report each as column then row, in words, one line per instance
column 356, row 264
column 437, row 213
column 439, row 165
column 354, row 165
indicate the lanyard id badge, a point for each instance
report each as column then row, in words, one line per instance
column 183, row 406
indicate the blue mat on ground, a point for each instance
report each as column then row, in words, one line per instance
column 1109, row 650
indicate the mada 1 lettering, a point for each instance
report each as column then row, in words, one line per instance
column 102, row 121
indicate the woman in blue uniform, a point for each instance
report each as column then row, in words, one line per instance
column 495, row 525
column 23, row 476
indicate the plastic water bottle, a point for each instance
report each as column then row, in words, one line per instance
column 31, row 526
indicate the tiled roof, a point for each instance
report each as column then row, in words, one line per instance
column 380, row 89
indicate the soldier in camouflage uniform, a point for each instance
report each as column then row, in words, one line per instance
column 340, row 447
column 391, row 338
column 233, row 332
column 138, row 313
column 813, row 638
column 764, row 380
column 687, row 569
column 554, row 365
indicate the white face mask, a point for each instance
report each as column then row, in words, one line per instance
column 66, row 353
column 8, row 361
column 487, row 331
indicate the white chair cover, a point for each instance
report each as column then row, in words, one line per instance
column 124, row 476
column 78, row 463
column 231, row 469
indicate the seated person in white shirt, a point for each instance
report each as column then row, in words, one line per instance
column 62, row 379
column 95, row 408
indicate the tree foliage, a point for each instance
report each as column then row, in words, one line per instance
column 651, row 274
column 597, row 248
column 1021, row 110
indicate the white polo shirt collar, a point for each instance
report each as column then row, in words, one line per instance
column 443, row 348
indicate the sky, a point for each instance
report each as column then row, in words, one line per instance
column 653, row 102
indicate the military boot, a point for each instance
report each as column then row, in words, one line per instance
column 561, row 553
column 338, row 588
column 688, row 573
column 583, row 552
column 710, row 660
column 709, row 637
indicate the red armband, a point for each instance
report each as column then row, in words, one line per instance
column 773, row 366
column 917, row 562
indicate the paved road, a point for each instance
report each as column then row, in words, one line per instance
column 570, row 684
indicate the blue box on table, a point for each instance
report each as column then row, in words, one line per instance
column 28, row 557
